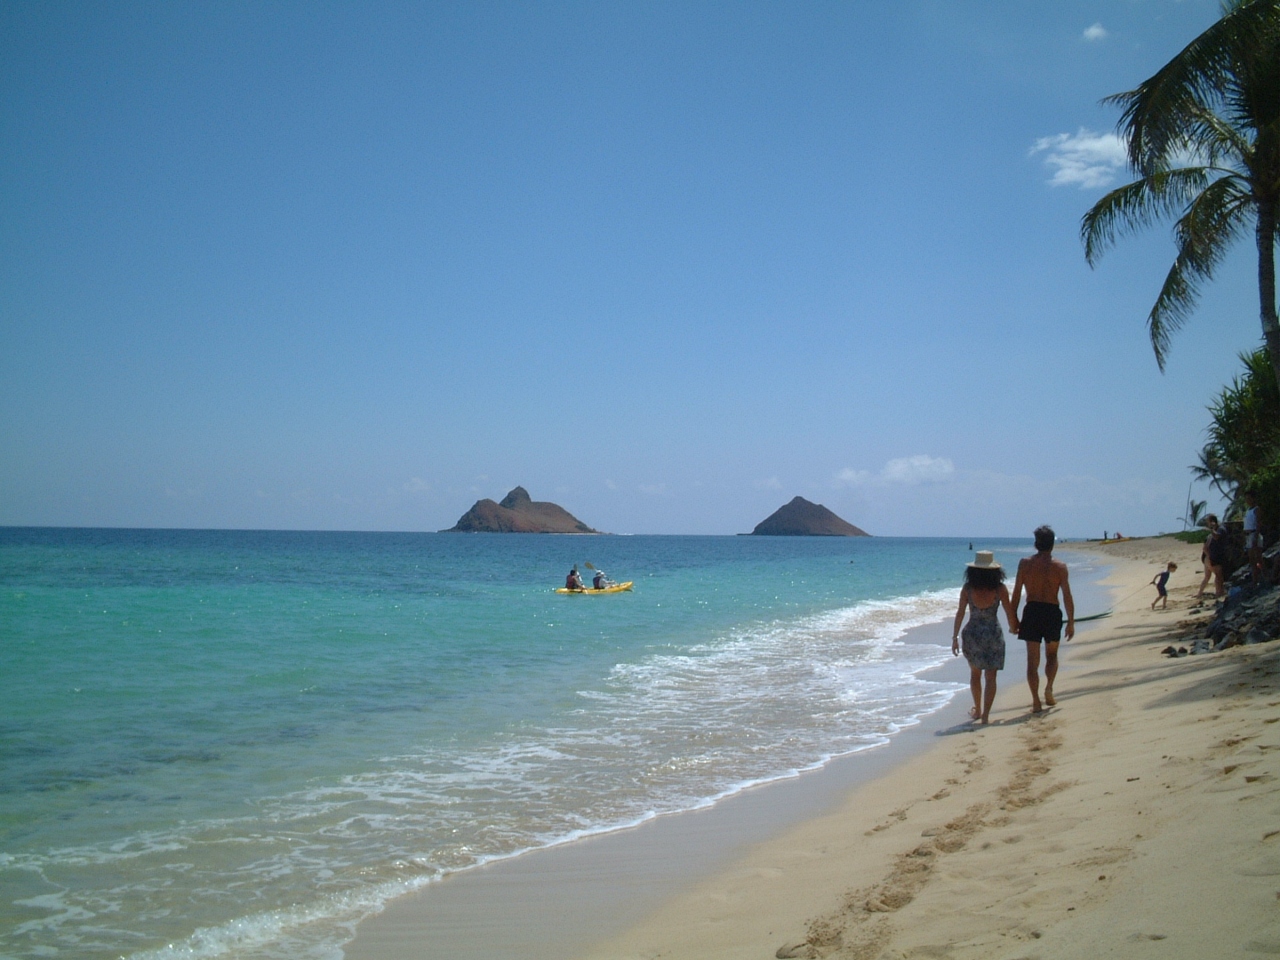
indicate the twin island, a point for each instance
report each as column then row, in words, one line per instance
column 518, row 513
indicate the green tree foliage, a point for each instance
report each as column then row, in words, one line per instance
column 1244, row 438
column 1203, row 137
column 1195, row 512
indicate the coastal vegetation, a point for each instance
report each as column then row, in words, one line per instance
column 1203, row 137
column 1243, row 451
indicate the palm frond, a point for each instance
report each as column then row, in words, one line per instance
column 1252, row 96
column 1214, row 220
column 1155, row 116
column 1139, row 204
column 1214, row 142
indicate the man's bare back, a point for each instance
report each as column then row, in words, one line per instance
column 1043, row 578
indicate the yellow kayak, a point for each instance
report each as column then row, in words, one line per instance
column 615, row 588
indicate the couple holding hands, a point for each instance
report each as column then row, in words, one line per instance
column 984, row 592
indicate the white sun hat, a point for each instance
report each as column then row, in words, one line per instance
column 985, row 560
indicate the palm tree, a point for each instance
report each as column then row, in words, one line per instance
column 1203, row 136
column 1195, row 511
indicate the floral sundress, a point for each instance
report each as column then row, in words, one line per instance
column 982, row 640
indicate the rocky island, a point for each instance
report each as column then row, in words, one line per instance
column 517, row 513
column 800, row 518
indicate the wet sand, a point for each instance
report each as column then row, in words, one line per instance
column 1138, row 817
column 559, row 901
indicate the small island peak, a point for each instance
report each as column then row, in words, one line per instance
column 802, row 518
column 518, row 513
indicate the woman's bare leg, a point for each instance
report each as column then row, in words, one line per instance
column 988, row 695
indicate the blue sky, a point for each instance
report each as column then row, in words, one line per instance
column 349, row 266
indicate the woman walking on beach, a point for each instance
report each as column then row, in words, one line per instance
column 982, row 594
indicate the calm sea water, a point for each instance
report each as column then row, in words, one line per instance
column 240, row 743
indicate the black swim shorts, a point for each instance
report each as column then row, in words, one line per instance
column 1040, row 622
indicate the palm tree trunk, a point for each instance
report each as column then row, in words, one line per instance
column 1267, row 282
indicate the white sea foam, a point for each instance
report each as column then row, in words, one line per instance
column 669, row 731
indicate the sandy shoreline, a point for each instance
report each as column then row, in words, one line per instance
column 558, row 901
column 1138, row 818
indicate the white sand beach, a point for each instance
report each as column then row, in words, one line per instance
column 1140, row 817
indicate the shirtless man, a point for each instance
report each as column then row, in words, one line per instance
column 1043, row 577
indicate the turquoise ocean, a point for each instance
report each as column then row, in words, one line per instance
column 238, row 744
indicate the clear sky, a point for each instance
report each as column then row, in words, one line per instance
column 354, row 266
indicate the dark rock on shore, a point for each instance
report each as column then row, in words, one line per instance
column 800, row 518
column 1250, row 615
column 517, row 513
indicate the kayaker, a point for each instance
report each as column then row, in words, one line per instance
column 600, row 581
column 574, row 580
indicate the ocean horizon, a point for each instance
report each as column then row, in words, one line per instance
column 240, row 743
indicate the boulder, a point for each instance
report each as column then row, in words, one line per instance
column 1250, row 614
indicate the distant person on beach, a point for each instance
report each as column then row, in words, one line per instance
column 982, row 595
column 1041, row 622
column 1253, row 535
column 574, row 580
column 1161, row 582
column 1213, row 556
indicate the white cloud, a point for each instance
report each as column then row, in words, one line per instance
column 417, row 485
column 908, row 471
column 772, row 483
column 653, row 489
column 1096, row 33
column 918, row 469
column 1084, row 159
column 852, row 478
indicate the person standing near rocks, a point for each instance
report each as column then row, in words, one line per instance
column 1212, row 556
column 1044, row 578
column 1253, row 536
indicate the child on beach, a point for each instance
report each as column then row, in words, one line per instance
column 1160, row 581
column 982, row 594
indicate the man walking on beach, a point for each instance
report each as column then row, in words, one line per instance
column 1041, row 620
